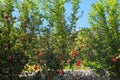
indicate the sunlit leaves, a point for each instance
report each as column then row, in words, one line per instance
column 104, row 19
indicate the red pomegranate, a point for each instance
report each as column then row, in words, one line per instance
column 10, row 58
column 60, row 71
column 35, row 67
column 78, row 63
column 114, row 60
column 74, row 53
column 60, row 57
column 41, row 53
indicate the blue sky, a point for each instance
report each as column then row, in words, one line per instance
column 85, row 6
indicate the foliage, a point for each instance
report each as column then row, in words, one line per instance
column 58, row 36
column 12, row 47
column 39, row 34
column 26, row 29
column 100, row 43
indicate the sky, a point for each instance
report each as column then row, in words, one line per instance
column 84, row 6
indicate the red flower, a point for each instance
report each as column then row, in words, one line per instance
column 10, row 58
column 60, row 71
column 78, row 63
column 74, row 53
column 60, row 57
column 35, row 67
column 41, row 53
column 6, row 17
column 114, row 60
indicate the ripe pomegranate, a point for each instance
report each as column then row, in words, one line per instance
column 74, row 53
column 60, row 71
column 10, row 58
column 114, row 60
column 35, row 67
column 78, row 63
